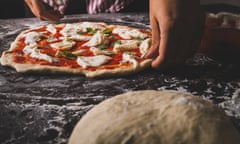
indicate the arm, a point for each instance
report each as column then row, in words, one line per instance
column 177, row 27
column 41, row 11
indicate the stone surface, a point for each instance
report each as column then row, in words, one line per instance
column 43, row 109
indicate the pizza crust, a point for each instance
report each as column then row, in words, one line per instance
column 155, row 117
column 7, row 60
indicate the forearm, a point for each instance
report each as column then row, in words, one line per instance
column 57, row 5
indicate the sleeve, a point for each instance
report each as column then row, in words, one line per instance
column 110, row 6
column 58, row 5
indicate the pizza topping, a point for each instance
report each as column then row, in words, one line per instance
column 34, row 52
column 135, row 33
column 32, row 37
column 125, row 45
column 129, row 33
column 127, row 57
column 37, row 54
column 51, row 29
column 29, row 48
column 93, row 61
column 80, row 37
column 70, row 30
column 79, row 52
column 90, row 27
column 99, row 51
column 66, row 44
column 52, row 39
column 145, row 46
column 97, row 39
column 91, row 30
column 85, row 27
column 67, row 54
column 107, row 31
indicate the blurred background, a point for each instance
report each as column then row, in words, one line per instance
column 18, row 9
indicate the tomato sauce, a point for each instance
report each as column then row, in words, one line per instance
column 44, row 45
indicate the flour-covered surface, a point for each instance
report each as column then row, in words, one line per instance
column 43, row 108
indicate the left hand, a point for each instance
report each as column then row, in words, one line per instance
column 42, row 12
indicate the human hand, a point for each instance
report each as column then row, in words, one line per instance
column 177, row 27
column 40, row 10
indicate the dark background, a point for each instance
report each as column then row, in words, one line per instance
column 18, row 8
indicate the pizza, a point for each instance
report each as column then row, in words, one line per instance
column 89, row 48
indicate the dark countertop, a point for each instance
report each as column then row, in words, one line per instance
column 41, row 108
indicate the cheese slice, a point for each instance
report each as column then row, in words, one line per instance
column 28, row 49
column 96, row 26
column 135, row 33
column 92, row 61
column 125, row 45
column 126, row 57
column 98, row 51
column 63, row 45
column 70, row 30
column 51, row 28
column 32, row 37
column 34, row 52
column 78, row 37
column 97, row 39
column 145, row 46
column 79, row 52
column 129, row 33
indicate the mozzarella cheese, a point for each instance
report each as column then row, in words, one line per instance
column 95, row 26
column 145, row 46
column 128, row 33
column 70, row 30
column 80, row 37
column 32, row 37
column 126, row 57
column 126, row 45
column 28, row 49
column 34, row 52
column 63, row 45
column 79, row 52
column 97, row 39
column 93, row 61
column 37, row 54
column 98, row 51
column 51, row 29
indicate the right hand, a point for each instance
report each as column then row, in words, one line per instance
column 177, row 27
column 40, row 10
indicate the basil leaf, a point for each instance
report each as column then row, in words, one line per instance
column 79, row 32
column 107, row 31
column 68, row 55
column 117, row 42
column 91, row 30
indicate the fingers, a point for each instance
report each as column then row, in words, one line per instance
column 51, row 15
column 153, row 52
column 165, row 47
column 41, row 12
column 163, row 43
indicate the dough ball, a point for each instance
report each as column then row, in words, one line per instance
column 155, row 117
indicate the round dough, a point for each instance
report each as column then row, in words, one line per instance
column 155, row 117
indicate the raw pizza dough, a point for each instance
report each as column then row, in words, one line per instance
column 155, row 117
